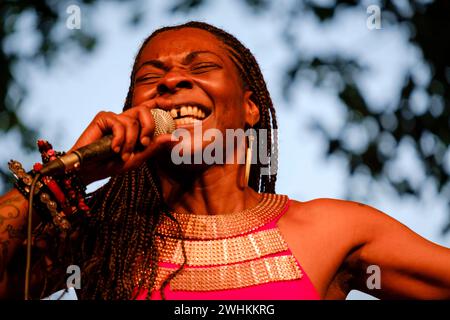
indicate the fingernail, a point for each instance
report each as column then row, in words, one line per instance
column 116, row 149
column 145, row 141
column 126, row 156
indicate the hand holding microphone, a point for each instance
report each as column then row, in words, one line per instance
column 136, row 134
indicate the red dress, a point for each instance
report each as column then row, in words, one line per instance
column 237, row 256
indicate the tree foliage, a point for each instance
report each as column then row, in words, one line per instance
column 427, row 130
column 48, row 16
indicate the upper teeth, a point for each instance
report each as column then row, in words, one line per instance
column 182, row 111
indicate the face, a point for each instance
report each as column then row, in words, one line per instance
column 189, row 73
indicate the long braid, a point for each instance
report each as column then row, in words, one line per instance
column 116, row 247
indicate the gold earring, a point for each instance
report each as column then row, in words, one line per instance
column 248, row 158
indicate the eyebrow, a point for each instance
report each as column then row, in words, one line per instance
column 186, row 60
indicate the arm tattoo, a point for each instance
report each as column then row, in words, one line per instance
column 12, row 211
column 15, row 233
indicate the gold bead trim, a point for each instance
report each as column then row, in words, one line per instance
column 254, row 272
column 208, row 227
column 222, row 251
column 20, row 174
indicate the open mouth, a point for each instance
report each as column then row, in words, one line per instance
column 189, row 114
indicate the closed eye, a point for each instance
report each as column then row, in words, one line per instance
column 148, row 78
column 204, row 67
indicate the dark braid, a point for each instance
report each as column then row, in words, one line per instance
column 124, row 221
column 116, row 247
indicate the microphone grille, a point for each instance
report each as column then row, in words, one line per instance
column 163, row 122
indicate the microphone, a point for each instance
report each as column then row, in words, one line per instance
column 101, row 149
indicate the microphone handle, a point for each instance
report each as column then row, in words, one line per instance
column 98, row 150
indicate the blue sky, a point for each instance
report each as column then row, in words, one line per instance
column 63, row 100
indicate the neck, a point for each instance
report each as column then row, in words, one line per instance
column 207, row 191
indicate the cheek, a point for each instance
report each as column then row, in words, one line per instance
column 225, row 92
column 233, row 105
column 141, row 94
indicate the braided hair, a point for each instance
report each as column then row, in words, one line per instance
column 117, row 245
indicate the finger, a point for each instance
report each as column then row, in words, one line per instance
column 103, row 123
column 147, row 123
column 132, row 128
column 110, row 123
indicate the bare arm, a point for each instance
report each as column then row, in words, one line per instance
column 411, row 267
column 13, row 214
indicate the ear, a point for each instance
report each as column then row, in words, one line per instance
column 251, row 110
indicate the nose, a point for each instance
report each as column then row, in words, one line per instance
column 173, row 82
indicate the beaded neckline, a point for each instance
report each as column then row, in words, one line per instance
column 208, row 227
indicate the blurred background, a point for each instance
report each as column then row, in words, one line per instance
column 360, row 87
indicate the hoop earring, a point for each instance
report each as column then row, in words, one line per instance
column 248, row 158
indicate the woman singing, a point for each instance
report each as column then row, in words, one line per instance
column 204, row 229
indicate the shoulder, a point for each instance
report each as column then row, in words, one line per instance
column 354, row 217
column 329, row 207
